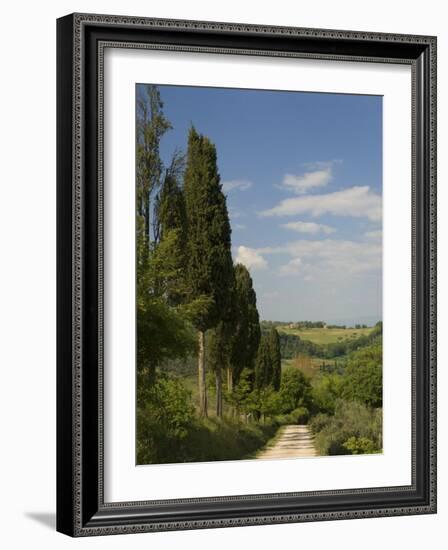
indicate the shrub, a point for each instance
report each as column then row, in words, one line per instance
column 165, row 414
column 364, row 378
column 353, row 429
column 299, row 416
column 295, row 390
column 168, row 430
column 326, row 391
column 360, row 445
column 225, row 439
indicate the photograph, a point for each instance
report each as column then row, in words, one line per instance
column 246, row 272
column 259, row 277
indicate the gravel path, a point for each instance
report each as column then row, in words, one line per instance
column 294, row 441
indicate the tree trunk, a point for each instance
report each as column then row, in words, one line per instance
column 202, row 375
column 229, row 380
column 218, row 391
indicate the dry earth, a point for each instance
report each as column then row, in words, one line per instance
column 293, row 441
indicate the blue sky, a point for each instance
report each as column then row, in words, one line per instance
column 303, row 177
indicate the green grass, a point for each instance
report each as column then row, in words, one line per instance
column 326, row 335
column 211, row 439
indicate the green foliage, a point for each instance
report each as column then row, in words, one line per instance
column 168, row 431
column 263, row 402
column 163, row 332
column 171, row 234
column 151, row 126
column 164, row 416
column 246, row 325
column 225, row 439
column 360, row 446
column 295, row 390
column 348, row 429
column 218, row 346
column 209, row 259
column 276, row 359
column 326, row 391
column 170, row 201
column 240, row 394
column 363, row 380
column 263, row 364
column 268, row 364
column 300, row 415
column 292, row 345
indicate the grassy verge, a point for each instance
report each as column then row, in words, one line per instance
column 209, row 440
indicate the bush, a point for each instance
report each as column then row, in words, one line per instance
column 165, row 413
column 168, row 430
column 295, row 390
column 363, row 379
column 299, row 416
column 326, row 391
column 353, row 429
column 360, row 445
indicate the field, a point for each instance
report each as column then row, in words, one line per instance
column 325, row 335
column 310, row 366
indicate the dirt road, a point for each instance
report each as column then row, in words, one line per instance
column 293, row 441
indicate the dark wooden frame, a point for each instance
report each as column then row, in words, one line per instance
column 81, row 510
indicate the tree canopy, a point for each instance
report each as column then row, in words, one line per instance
column 247, row 333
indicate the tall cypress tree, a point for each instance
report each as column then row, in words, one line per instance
column 276, row 358
column 263, row 363
column 246, row 337
column 209, row 260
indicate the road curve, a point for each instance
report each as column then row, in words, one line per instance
column 294, row 441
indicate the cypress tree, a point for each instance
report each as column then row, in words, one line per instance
column 246, row 337
column 263, row 363
column 209, row 260
column 276, row 358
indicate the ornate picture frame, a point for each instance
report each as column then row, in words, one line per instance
column 81, row 506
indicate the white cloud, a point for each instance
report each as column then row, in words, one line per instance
column 235, row 213
column 331, row 257
column 358, row 201
column 291, row 268
column 251, row 258
column 319, row 164
column 309, row 227
column 374, row 234
column 239, row 226
column 240, row 185
column 305, row 182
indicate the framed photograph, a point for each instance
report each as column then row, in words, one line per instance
column 246, row 274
